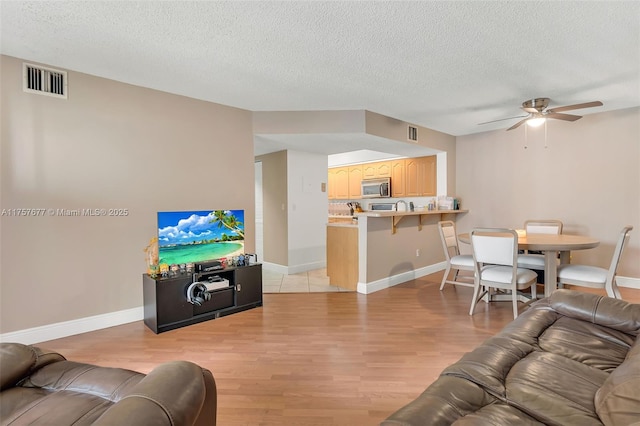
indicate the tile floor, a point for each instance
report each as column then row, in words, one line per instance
column 315, row 281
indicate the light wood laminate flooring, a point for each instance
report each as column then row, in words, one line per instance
column 334, row 358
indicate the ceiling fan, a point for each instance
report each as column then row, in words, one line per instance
column 538, row 113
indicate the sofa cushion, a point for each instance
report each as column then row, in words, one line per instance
column 67, row 392
column 33, row 406
column 497, row 414
column 613, row 313
column 488, row 365
column 554, row 389
column 432, row 408
column 592, row 344
column 17, row 361
column 106, row 382
column 617, row 402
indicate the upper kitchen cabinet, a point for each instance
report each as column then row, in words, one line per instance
column 410, row 177
column 420, row 176
column 398, row 178
column 380, row 169
column 331, row 184
column 344, row 183
column 341, row 183
column 355, row 182
column 430, row 187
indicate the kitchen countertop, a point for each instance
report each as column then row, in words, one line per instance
column 386, row 213
column 343, row 224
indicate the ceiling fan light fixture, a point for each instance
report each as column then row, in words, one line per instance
column 537, row 112
column 536, row 122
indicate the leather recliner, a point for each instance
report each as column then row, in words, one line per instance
column 571, row 359
column 41, row 387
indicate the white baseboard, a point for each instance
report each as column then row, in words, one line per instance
column 366, row 288
column 295, row 269
column 70, row 328
column 274, row 267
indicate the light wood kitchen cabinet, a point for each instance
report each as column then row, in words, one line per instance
column 355, row 182
column 398, row 178
column 420, row 176
column 331, row 184
column 344, row 182
column 430, row 176
column 380, row 169
column 410, row 177
column 341, row 183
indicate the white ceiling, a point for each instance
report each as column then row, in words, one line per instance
column 445, row 65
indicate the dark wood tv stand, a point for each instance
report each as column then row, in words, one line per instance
column 165, row 299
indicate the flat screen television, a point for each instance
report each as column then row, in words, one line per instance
column 197, row 236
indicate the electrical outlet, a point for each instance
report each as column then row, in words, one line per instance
column 417, row 252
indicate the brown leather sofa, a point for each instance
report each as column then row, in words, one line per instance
column 571, row 359
column 40, row 387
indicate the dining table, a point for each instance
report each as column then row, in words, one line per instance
column 550, row 245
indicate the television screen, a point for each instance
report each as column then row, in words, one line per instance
column 196, row 236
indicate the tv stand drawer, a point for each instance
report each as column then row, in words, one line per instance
column 220, row 299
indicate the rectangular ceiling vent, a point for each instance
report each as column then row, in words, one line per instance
column 413, row 134
column 44, row 81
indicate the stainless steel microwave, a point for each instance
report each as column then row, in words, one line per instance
column 376, row 188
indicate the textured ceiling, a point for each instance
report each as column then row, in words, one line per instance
column 444, row 65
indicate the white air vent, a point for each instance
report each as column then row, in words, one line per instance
column 44, row 81
column 413, row 134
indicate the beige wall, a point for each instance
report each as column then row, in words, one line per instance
column 393, row 254
column 275, row 202
column 394, row 129
column 110, row 145
column 588, row 176
column 308, row 122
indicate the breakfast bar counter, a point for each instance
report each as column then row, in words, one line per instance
column 397, row 216
column 385, row 213
column 385, row 248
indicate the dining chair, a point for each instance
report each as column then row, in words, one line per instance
column 495, row 255
column 594, row 276
column 455, row 261
column 547, row 226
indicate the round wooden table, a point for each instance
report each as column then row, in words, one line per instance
column 550, row 245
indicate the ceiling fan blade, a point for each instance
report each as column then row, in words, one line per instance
column 518, row 124
column 502, row 119
column 576, row 106
column 565, row 117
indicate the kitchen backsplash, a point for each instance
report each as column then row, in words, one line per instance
column 341, row 205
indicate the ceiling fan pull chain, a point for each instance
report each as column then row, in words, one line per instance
column 545, row 134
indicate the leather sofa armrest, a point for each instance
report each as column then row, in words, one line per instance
column 613, row 313
column 174, row 393
column 209, row 410
column 617, row 400
column 18, row 361
column 445, row 401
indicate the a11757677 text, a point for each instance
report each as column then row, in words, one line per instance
column 61, row 212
